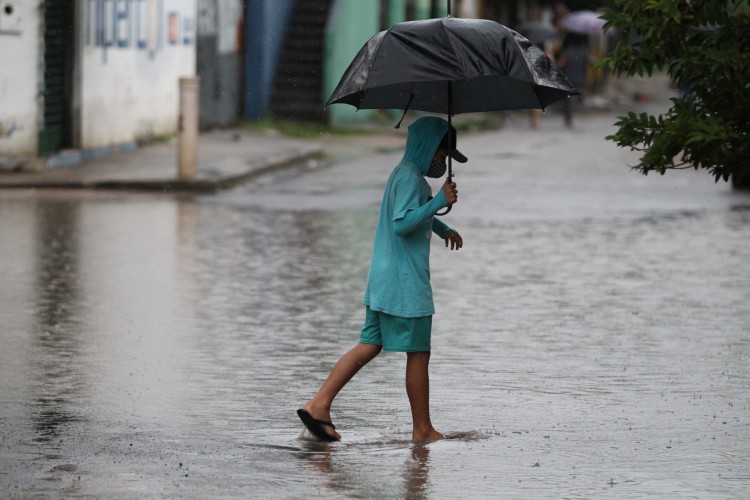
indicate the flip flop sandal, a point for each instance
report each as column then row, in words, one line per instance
column 315, row 426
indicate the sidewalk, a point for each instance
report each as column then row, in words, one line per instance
column 229, row 157
column 225, row 158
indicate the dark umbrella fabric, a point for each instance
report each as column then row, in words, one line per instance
column 451, row 66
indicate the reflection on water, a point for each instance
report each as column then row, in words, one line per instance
column 343, row 472
column 57, row 371
column 160, row 347
column 319, row 456
column 417, row 472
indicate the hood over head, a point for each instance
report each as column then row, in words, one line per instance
column 424, row 138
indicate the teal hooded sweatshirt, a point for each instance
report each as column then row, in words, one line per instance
column 399, row 280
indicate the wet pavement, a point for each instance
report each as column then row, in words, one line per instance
column 591, row 339
column 224, row 158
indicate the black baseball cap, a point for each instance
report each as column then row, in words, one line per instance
column 455, row 153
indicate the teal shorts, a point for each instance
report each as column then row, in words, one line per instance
column 395, row 333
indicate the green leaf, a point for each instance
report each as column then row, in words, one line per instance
column 703, row 45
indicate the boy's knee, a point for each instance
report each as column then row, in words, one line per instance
column 419, row 355
column 372, row 349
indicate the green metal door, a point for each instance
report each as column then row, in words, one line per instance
column 55, row 132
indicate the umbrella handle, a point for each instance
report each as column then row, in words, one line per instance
column 447, row 209
column 450, row 125
column 450, row 178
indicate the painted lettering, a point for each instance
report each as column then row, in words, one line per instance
column 122, row 23
column 174, row 28
column 136, row 24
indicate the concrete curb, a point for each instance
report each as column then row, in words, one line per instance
column 171, row 185
column 289, row 162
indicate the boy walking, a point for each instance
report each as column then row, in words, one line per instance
column 398, row 298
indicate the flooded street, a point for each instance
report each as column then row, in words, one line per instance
column 592, row 339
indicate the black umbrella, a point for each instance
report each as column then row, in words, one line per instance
column 478, row 64
column 450, row 66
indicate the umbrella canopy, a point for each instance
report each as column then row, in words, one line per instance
column 584, row 22
column 451, row 66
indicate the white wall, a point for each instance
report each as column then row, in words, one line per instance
column 132, row 56
column 19, row 68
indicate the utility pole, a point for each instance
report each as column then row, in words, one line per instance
column 187, row 154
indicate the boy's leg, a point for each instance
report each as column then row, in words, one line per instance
column 418, row 390
column 346, row 367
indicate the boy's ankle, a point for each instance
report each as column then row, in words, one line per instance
column 316, row 404
column 428, row 434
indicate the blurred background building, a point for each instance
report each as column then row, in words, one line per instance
column 80, row 78
column 84, row 77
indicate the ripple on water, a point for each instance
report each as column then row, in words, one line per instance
column 580, row 358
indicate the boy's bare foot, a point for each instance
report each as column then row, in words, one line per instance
column 322, row 414
column 430, row 435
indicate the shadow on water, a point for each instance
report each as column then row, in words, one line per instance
column 58, row 373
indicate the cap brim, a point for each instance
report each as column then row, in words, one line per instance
column 458, row 156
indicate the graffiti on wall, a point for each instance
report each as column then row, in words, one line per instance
column 9, row 128
column 136, row 24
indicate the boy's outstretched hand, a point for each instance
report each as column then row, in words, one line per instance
column 455, row 239
column 451, row 193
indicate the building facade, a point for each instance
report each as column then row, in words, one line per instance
column 80, row 78
column 298, row 50
column 219, row 44
column 84, row 77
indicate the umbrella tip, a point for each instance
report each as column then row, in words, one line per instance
column 408, row 105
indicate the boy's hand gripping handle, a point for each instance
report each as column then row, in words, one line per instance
column 451, row 194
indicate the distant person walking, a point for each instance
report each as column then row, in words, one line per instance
column 398, row 298
column 545, row 36
column 573, row 60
